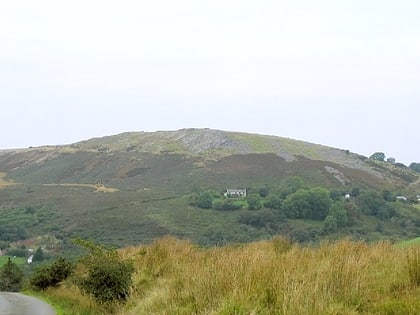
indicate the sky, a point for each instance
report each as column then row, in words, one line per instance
column 340, row 73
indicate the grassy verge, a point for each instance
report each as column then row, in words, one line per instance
column 265, row 277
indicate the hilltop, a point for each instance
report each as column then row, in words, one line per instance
column 134, row 187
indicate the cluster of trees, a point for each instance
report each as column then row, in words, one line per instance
column 274, row 208
column 380, row 156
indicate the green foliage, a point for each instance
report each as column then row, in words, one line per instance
column 312, row 204
column 388, row 195
column 205, row 200
column 18, row 252
column 227, row 204
column 330, row 224
column 273, row 202
column 254, row 202
column 264, row 191
column 339, row 212
column 108, row 278
column 51, row 274
column 38, row 255
column 378, row 156
column 11, row 277
column 291, row 185
column 371, row 203
column 415, row 167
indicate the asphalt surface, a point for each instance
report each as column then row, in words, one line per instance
column 19, row 304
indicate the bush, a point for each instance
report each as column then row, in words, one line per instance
column 108, row 278
column 11, row 277
column 52, row 274
column 205, row 200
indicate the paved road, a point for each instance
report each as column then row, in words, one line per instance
column 19, row 304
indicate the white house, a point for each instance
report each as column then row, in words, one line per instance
column 401, row 198
column 30, row 259
column 235, row 193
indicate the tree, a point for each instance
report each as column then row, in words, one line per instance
column 388, row 195
column 254, row 202
column 205, row 200
column 273, row 202
column 38, row 255
column 339, row 212
column 378, row 156
column 415, row 167
column 312, row 204
column 11, row 277
column 264, row 191
column 330, row 224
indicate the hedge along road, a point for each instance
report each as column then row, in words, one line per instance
column 19, row 304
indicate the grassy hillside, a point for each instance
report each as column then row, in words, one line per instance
column 135, row 187
column 266, row 277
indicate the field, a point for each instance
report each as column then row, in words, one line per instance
column 16, row 260
column 265, row 277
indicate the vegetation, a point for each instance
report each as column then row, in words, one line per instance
column 11, row 276
column 265, row 277
column 52, row 274
column 137, row 187
column 108, row 278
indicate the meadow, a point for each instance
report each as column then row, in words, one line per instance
column 265, row 277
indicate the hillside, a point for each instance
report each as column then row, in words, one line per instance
column 135, row 187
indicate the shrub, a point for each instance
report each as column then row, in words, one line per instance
column 108, row 278
column 52, row 274
column 11, row 277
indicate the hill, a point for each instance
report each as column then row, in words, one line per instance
column 134, row 187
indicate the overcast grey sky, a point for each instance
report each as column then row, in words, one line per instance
column 339, row 73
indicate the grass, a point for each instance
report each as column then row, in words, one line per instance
column 16, row 260
column 414, row 241
column 4, row 182
column 265, row 277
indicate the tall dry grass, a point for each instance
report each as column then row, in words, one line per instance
column 273, row 277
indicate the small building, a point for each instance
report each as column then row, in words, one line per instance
column 30, row 259
column 401, row 198
column 235, row 193
column 347, row 196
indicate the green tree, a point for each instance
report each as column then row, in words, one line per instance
column 264, row 191
column 388, row 195
column 415, row 167
column 330, row 224
column 312, row 204
column 273, row 202
column 205, row 200
column 39, row 255
column 11, row 277
column 254, row 202
column 339, row 212
column 378, row 156
column 291, row 185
